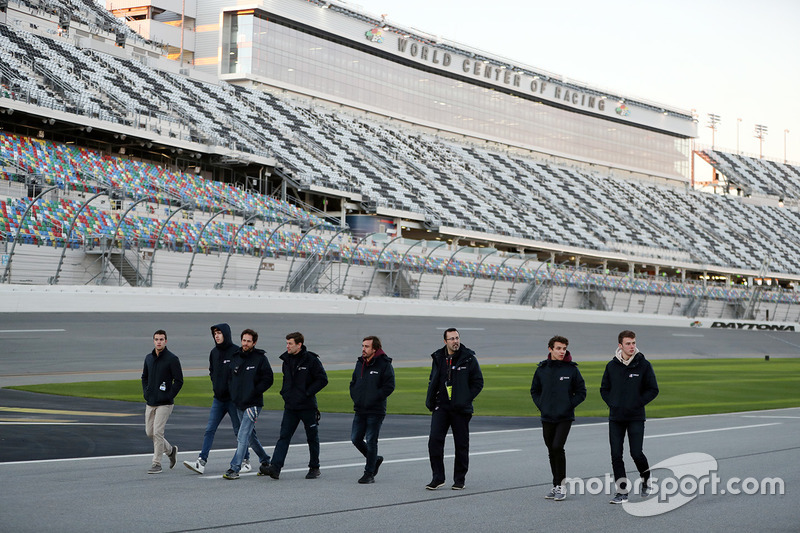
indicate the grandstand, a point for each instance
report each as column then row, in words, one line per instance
column 119, row 166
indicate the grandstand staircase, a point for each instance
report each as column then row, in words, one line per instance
column 535, row 293
column 398, row 283
column 696, row 306
column 127, row 263
column 591, row 297
column 314, row 275
column 747, row 309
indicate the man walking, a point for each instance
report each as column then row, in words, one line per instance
column 219, row 363
column 303, row 378
column 557, row 389
column 455, row 381
column 162, row 379
column 250, row 377
column 629, row 383
column 371, row 384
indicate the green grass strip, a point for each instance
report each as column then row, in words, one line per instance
column 688, row 387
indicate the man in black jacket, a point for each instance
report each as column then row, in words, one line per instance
column 371, row 384
column 628, row 384
column 162, row 379
column 455, row 381
column 303, row 378
column 219, row 363
column 556, row 389
column 249, row 379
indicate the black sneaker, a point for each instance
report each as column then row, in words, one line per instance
column 263, row 470
column 273, row 472
column 173, row 456
column 458, row 486
column 378, row 464
column 231, row 474
column 434, row 484
column 366, row 479
column 313, row 473
column 619, row 498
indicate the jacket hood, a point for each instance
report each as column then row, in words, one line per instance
column 380, row 353
column 226, row 334
column 637, row 357
column 567, row 357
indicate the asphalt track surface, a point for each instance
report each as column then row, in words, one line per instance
column 71, row 464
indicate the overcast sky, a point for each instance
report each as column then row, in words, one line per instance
column 733, row 58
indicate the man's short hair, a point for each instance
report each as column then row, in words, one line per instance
column 297, row 337
column 558, row 338
column 449, row 330
column 160, row 332
column 376, row 342
column 627, row 334
column 250, row 332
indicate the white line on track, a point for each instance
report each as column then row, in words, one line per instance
column 32, row 330
column 361, row 463
column 782, row 340
column 63, row 423
column 764, row 416
column 710, row 430
column 231, row 450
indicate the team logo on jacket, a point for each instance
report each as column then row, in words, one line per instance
column 633, row 376
column 562, row 378
column 250, row 368
column 374, row 372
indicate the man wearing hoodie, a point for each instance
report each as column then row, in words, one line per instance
column 219, row 366
column 249, row 379
column 557, row 388
column 371, row 384
column 628, row 384
column 303, row 378
column 162, row 379
column 455, row 381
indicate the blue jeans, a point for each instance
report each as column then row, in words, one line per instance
column 616, row 437
column 292, row 419
column 218, row 411
column 247, row 434
column 367, row 426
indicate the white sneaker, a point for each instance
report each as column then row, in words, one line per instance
column 246, row 466
column 559, row 493
column 198, row 466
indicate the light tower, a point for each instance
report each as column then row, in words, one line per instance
column 713, row 121
column 760, row 134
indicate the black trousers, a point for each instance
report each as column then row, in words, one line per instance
column 555, row 437
column 441, row 421
column 616, row 436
